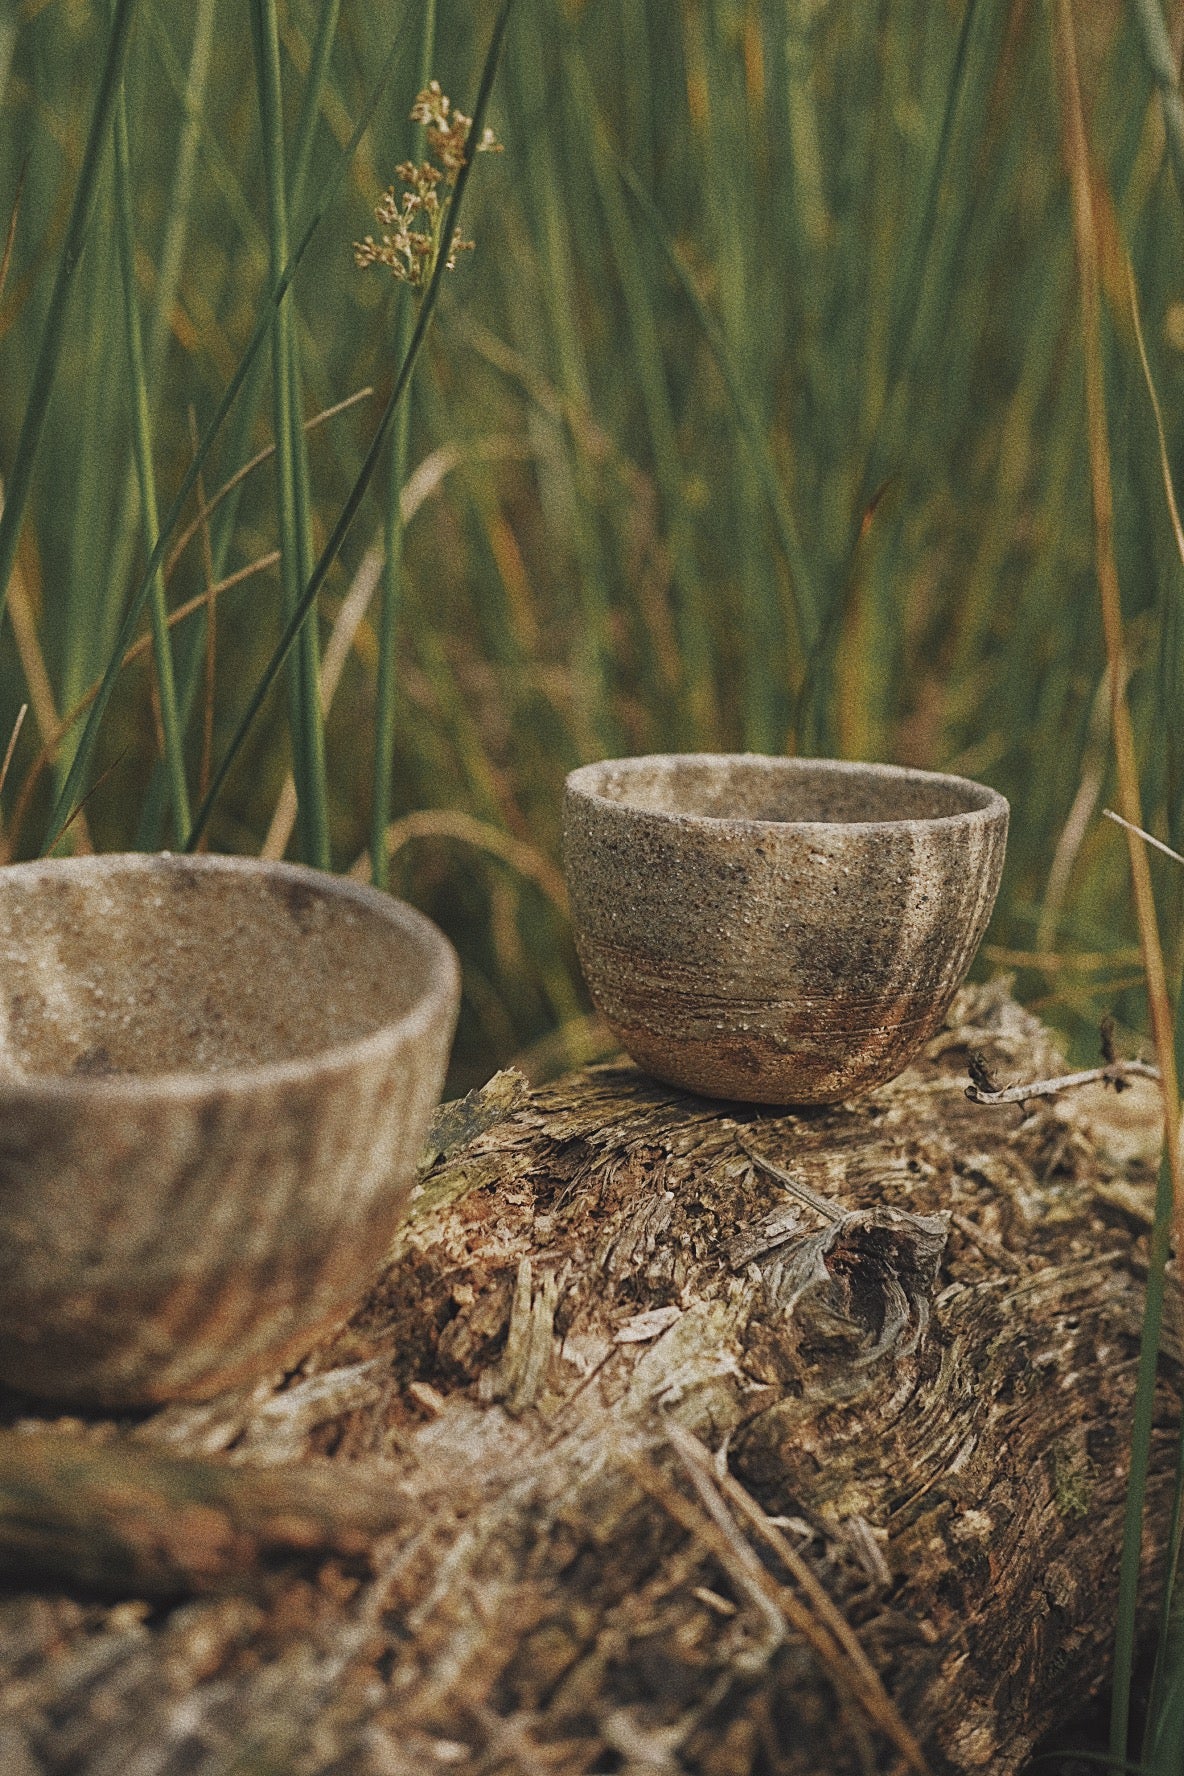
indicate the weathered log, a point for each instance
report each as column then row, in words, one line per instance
column 713, row 1440
column 120, row 1517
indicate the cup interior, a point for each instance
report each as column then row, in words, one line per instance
column 780, row 790
column 154, row 966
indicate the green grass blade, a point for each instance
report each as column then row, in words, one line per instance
column 1167, row 1671
column 386, row 692
column 90, row 607
column 553, row 228
column 8, row 29
column 1161, row 63
column 306, row 126
column 218, row 166
column 700, row 715
column 1166, row 1755
column 181, row 192
column 80, row 765
column 910, row 327
column 907, row 312
column 238, row 443
column 805, row 597
column 386, row 695
column 1132, row 1529
column 366, row 474
column 305, row 722
column 314, row 817
column 145, row 472
column 20, row 478
column 177, row 211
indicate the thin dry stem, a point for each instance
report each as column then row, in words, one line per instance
column 17, row 725
column 820, row 1600
column 345, row 628
column 50, row 745
column 10, row 236
column 1077, row 821
column 1107, row 570
column 453, row 823
column 1164, row 464
column 1147, row 838
column 40, row 689
column 828, row 1210
column 28, row 647
column 248, row 468
column 1111, row 1074
column 1061, row 961
column 817, row 1618
column 429, row 475
column 211, row 607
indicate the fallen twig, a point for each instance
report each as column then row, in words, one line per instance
column 828, row 1210
column 983, row 1089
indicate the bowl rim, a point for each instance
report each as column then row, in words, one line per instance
column 581, row 785
column 190, row 1084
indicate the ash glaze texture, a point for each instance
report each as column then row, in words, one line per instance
column 216, row 1077
column 777, row 930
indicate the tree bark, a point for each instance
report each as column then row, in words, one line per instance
column 675, row 1436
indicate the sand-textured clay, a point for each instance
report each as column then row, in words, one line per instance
column 215, row 1080
column 777, row 930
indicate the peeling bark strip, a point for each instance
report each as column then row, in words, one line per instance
column 700, row 1440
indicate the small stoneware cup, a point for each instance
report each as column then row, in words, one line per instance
column 216, row 1077
column 777, row 930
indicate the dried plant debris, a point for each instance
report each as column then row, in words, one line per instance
column 699, row 1439
column 985, row 1088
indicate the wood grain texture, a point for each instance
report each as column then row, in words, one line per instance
column 688, row 1468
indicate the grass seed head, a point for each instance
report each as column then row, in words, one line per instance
column 412, row 219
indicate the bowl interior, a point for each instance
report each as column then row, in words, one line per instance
column 750, row 787
column 162, row 966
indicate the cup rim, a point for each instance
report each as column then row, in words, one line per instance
column 583, row 783
column 190, row 1084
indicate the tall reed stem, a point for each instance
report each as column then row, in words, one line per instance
column 71, row 789
column 1161, row 64
column 20, row 478
column 305, row 721
column 386, row 702
column 238, row 442
column 366, row 474
column 1170, row 1204
column 177, row 210
column 174, row 740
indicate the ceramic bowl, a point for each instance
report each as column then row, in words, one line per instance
column 777, row 930
column 216, row 1076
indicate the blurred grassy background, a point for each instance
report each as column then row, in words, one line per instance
column 755, row 420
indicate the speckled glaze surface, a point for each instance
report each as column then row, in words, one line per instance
column 777, row 930
column 216, row 1076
